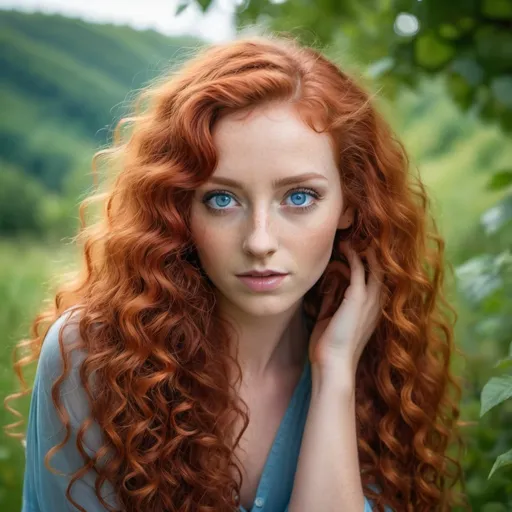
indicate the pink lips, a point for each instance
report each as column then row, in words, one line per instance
column 263, row 283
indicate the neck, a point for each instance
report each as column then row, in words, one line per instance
column 270, row 345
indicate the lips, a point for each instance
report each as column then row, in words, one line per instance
column 261, row 275
column 260, row 283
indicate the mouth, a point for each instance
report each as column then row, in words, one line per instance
column 262, row 275
column 261, row 283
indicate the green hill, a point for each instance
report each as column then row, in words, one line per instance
column 63, row 82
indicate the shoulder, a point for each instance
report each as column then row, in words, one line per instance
column 46, row 430
column 51, row 366
column 50, row 363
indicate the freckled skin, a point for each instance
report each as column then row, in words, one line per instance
column 264, row 227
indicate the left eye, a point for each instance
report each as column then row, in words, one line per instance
column 301, row 196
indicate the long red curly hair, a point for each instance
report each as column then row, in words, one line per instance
column 147, row 318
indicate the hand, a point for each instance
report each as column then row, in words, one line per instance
column 337, row 341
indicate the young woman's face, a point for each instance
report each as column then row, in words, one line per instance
column 255, row 224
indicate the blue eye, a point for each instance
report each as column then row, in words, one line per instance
column 222, row 198
column 301, row 195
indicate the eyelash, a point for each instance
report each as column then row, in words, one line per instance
column 223, row 211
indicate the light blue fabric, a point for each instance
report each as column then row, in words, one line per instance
column 44, row 491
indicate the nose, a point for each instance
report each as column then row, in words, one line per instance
column 259, row 238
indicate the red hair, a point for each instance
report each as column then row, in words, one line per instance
column 147, row 318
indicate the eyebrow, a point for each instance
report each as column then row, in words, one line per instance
column 290, row 180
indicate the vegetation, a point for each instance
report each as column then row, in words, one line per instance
column 65, row 82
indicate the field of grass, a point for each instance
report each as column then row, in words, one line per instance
column 26, row 272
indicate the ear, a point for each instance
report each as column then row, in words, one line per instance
column 346, row 218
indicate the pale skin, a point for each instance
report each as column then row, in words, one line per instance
column 328, row 474
column 260, row 228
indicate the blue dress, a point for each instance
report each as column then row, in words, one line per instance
column 44, row 491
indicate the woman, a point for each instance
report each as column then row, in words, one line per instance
column 171, row 377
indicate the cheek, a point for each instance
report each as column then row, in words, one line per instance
column 212, row 244
column 318, row 241
column 314, row 251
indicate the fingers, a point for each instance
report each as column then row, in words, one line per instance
column 357, row 279
column 375, row 284
column 355, row 274
column 376, row 277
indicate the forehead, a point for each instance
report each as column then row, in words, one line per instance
column 273, row 141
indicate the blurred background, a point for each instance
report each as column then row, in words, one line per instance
column 442, row 74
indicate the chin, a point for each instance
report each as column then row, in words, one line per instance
column 264, row 304
column 258, row 304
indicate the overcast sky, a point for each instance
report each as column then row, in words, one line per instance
column 217, row 25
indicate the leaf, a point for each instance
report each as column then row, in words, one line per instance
column 460, row 89
column 478, row 278
column 501, row 87
column 449, row 31
column 497, row 217
column 497, row 390
column 494, row 47
column 468, row 68
column 497, row 9
column 431, row 52
column 380, row 67
column 505, row 120
column 204, row 4
column 505, row 459
column 504, row 364
column 499, row 180
column 181, row 7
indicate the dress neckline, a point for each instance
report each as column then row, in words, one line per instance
column 265, row 482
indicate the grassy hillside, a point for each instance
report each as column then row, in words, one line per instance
column 64, row 81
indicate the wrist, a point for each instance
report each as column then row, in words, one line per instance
column 340, row 380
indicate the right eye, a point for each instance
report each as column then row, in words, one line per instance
column 222, row 203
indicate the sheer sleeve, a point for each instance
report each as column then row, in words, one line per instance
column 44, row 491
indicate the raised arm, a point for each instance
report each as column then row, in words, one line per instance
column 329, row 456
column 328, row 475
column 44, row 491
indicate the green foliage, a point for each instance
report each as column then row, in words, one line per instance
column 20, row 203
column 48, row 132
column 500, row 180
column 456, row 178
column 485, row 282
column 27, row 271
column 505, row 459
column 468, row 41
column 497, row 390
